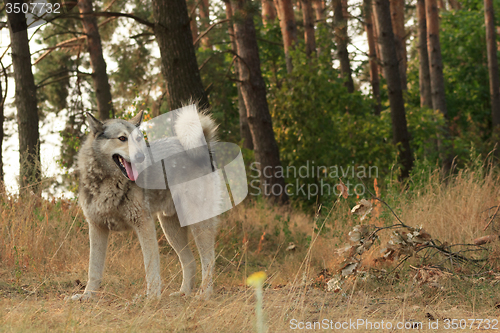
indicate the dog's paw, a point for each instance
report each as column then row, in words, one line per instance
column 204, row 295
column 80, row 297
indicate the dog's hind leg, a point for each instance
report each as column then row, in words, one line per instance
column 204, row 234
column 177, row 236
column 149, row 244
column 98, row 247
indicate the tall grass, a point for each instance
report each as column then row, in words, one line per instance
column 44, row 255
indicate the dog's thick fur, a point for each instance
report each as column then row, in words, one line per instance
column 113, row 202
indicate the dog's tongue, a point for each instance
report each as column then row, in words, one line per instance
column 131, row 172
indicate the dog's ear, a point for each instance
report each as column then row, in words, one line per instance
column 137, row 120
column 95, row 124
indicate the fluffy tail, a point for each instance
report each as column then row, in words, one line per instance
column 187, row 127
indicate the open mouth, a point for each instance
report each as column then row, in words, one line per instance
column 125, row 167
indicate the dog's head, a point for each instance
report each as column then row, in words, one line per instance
column 113, row 142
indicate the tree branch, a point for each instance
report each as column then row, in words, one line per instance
column 61, row 44
column 208, row 30
column 212, row 56
column 115, row 14
column 4, row 70
column 63, row 78
column 118, row 14
column 492, row 218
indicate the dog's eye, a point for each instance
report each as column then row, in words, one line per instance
column 122, row 138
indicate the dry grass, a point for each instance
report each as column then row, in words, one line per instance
column 44, row 250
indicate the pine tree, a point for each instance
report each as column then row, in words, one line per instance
column 400, row 134
column 26, row 104
column 254, row 94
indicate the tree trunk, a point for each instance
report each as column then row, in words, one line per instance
column 307, row 15
column 400, row 133
column 2, row 119
column 372, row 55
column 340, row 21
column 178, row 58
column 491, row 42
column 205, row 23
column 398, row 27
column 434, row 51
column 377, row 44
column 424, row 74
column 268, row 12
column 441, row 5
column 320, row 12
column 99, row 74
column 436, row 74
column 253, row 90
column 288, row 27
column 26, row 103
column 245, row 133
column 341, row 38
column 192, row 23
column 319, row 9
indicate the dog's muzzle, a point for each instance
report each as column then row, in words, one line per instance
column 126, row 167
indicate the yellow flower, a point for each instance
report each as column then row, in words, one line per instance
column 257, row 279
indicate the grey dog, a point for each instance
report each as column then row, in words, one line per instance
column 112, row 201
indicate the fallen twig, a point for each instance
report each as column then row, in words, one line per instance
column 492, row 218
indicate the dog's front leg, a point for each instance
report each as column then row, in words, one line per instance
column 98, row 247
column 149, row 244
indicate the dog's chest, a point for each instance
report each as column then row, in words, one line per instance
column 114, row 205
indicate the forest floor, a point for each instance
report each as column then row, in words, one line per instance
column 44, row 258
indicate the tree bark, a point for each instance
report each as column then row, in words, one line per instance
column 424, row 74
column 372, row 55
column 400, row 133
column 268, row 12
column 491, row 43
column 307, row 15
column 99, row 74
column 2, row 119
column 178, row 58
column 377, row 44
column 340, row 21
column 245, row 133
column 288, row 27
column 254, row 94
column 436, row 74
column 205, row 23
column 192, row 23
column 398, row 27
column 26, row 103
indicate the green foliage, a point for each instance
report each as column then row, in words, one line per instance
column 317, row 121
column 131, row 74
column 465, row 70
column 424, row 126
column 463, row 44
